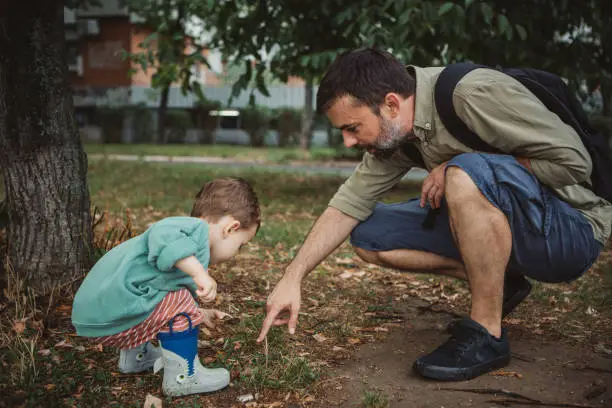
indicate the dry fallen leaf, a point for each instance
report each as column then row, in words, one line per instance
column 63, row 344
column 245, row 398
column 513, row 321
column 591, row 311
column 19, row 326
column 152, row 402
column 353, row 340
column 63, row 308
column 319, row 337
column 374, row 329
column 49, row 387
column 502, row 373
column 603, row 349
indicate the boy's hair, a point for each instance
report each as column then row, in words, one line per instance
column 228, row 196
column 366, row 74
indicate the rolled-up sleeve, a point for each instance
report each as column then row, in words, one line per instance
column 506, row 115
column 170, row 241
column 371, row 179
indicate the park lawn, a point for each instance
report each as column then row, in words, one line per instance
column 345, row 302
column 276, row 155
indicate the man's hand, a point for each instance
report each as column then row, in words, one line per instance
column 286, row 297
column 524, row 162
column 433, row 187
column 207, row 286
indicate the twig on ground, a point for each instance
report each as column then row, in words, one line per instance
column 511, row 403
column 523, row 358
column 266, row 350
column 518, row 398
column 596, row 369
column 492, row 391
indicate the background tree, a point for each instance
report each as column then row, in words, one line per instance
column 175, row 47
column 290, row 37
column 41, row 155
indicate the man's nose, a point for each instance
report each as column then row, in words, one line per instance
column 349, row 140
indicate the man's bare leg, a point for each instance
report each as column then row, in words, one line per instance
column 484, row 239
column 414, row 261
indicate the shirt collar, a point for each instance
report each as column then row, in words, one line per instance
column 423, row 99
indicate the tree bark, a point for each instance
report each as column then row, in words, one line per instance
column 307, row 116
column 161, row 115
column 606, row 98
column 41, row 154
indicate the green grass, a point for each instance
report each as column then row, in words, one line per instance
column 172, row 187
column 373, row 399
column 264, row 154
column 147, row 192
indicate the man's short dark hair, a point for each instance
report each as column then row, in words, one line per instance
column 366, row 74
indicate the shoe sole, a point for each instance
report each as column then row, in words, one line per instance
column 460, row 374
column 192, row 391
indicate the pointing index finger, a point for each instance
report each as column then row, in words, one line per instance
column 267, row 323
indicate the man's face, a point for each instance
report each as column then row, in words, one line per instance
column 362, row 128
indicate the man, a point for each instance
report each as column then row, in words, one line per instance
column 517, row 214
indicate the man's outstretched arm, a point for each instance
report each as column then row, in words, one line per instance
column 328, row 232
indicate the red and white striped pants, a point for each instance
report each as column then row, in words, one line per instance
column 174, row 303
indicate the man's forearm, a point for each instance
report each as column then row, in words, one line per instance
column 328, row 232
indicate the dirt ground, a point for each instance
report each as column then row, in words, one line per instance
column 552, row 372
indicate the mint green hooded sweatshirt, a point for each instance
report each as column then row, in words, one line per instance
column 125, row 285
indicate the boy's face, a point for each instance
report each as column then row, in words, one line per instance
column 227, row 237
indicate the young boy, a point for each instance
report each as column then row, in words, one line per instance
column 144, row 288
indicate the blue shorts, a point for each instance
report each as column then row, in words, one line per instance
column 551, row 241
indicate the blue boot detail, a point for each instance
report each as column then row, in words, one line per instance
column 183, row 372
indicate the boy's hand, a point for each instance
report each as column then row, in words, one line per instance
column 207, row 286
column 209, row 315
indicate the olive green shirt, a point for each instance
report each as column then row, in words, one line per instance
column 505, row 115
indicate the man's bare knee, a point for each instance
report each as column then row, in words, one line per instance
column 368, row 256
column 458, row 185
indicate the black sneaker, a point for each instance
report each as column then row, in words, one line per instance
column 516, row 289
column 471, row 351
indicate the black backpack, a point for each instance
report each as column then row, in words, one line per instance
column 553, row 93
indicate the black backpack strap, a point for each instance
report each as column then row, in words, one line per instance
column 413, row 154
column 443, row 97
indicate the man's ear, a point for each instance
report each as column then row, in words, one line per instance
column 391, row 104
column 231, row 227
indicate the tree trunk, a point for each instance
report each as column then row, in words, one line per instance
column 45, row 167
column 307, row 116
column 161, row 115
column 606, row 99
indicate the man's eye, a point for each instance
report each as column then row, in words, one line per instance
column 352, row 129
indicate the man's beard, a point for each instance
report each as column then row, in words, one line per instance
column 390, row 138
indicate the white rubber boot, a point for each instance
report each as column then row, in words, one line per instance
column 138, row 359
column 183, row 372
